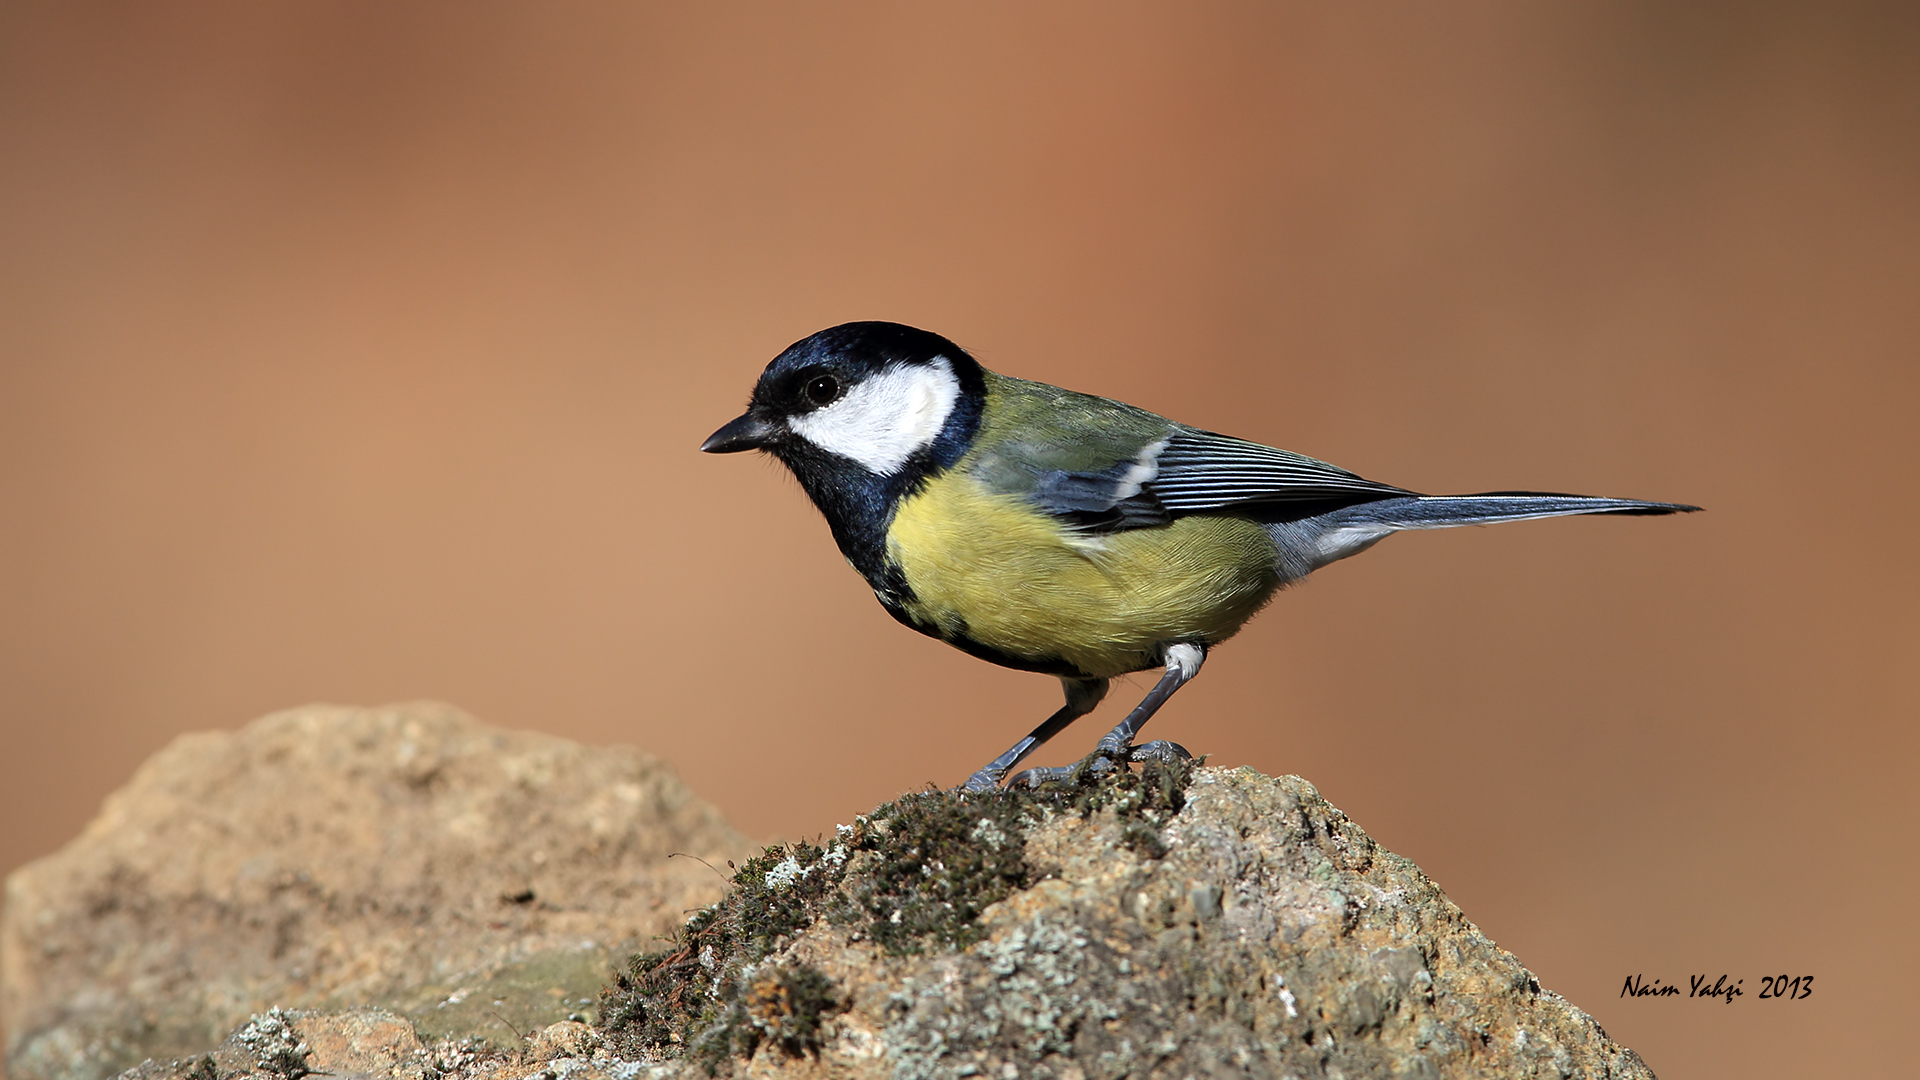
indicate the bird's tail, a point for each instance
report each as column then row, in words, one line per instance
column 1309, row 542
column 1445, row 511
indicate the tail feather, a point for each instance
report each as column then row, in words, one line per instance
column 1486, row 508
column 1308, row 543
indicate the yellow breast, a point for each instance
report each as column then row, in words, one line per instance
column 990, row 567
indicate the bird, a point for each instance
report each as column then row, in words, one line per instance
column 1063, row 533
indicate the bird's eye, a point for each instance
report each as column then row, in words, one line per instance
column 823, row 389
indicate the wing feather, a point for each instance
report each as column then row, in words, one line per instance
column 1102, row 465
column 1200, row 470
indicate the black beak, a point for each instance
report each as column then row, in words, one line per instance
column 748, row 432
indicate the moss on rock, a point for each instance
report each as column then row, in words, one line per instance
column 912, row 877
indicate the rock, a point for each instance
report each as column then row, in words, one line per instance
column 568, row 1038
column 356, row 1043
column 1221, row 923
column 1174, row 922
column 465, row 878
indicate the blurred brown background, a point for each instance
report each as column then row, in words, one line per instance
column 358, row 352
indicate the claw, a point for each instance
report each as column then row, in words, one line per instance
column 1092, row 767
column 981, row 781
column 1037, row 778
column 1102, row 761
column 1160, row 750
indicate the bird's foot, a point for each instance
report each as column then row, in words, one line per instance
column 1091, row 767
column 1161, row 750
column 1102, row 761
column 984, row 780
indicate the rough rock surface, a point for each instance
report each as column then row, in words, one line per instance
column 1171, row 923
column 1220, row 924
column 467, row 878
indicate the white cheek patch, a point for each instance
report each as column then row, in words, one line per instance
column 883, row 421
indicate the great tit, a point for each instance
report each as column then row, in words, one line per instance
column 1059, row 532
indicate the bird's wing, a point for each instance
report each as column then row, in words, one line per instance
column 1103, row 465
column 1078, row 457
column 1200, row 470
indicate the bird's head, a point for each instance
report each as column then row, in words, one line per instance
column 875, row 396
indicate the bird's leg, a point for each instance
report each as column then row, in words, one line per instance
column 1183, row 662
column 1082, row 696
